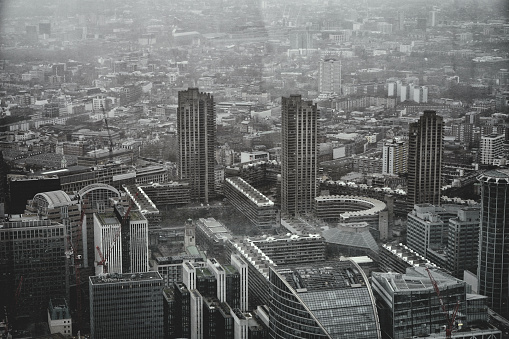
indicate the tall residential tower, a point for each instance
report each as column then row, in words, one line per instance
column 425, row 154
column 299, row 159
column 196, row 129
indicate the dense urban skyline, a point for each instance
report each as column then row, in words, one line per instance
column 254, row 169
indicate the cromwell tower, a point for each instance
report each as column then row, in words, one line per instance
column 299, row 160
column 196, row 129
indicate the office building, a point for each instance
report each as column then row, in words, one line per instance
column 211, row 236
column 463, row 241
column 177, row 314
column 22, row 189
column 255, row 206
column 126, row 305
column 408, row 305
column 59, row 317
column 93, row 198
column 394, row 157
column 327, row 300
column 253, row 155
column 398, row 257
column 201, row 306
column 56, row 206
column 242, row 267
column 493, row 262
column 170, row 268
column 299, row 159
column 32, row 255
column 167, row 194
column 425, row 154
column 134, row 234
column 107, row 237
column 258, row 266
column 289, row 248
column 196, row 131
column 330, row 76
column 492, row 147
column 123, row 239
column 427, row 231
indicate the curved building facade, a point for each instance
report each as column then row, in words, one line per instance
column 332, row 300
column 493, row 265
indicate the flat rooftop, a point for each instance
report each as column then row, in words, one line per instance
column 113, row 278
column 331, row 275
column 250, row 192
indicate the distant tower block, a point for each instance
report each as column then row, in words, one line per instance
column 190, row 239
column 425, row 155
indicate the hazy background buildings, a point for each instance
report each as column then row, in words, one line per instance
column 167, row 172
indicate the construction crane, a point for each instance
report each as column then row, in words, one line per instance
column 449, row 319
column 104, row 257
column 77, row 264
column 109, row 133
column 7, row 328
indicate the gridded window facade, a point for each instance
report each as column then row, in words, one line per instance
column 126, row 306
column 35, row 252
column 493, row 270
column 196, row 130
column 332, row 300
column 299, row 160
column 425, row 154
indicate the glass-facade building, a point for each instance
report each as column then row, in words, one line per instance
column 493, row 265
column 408, row 304
column 126, row 305
column 330, row 300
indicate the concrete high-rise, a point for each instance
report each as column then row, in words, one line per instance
column 394, row 157
column 425, row 154
column 196, row 131
column 492, row 147
column 330, row 76
column 299, row 159
column 493, row 264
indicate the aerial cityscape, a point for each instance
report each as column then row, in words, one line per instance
column 251, row 169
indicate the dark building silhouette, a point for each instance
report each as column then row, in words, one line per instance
column 196, row 130
column 23, row 189
column 493, row 269
column 126, row 305
column 33, row 261
column 299, row 158
column 425, row 154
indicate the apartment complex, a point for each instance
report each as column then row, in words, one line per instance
column 492, row 147
column 299, row 159
column 425, row 154
column 394, row 157
column 196, row 131
column 259, row 209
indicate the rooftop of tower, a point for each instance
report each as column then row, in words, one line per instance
column 112, row 278
column 327, row 276
column 499, row 175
